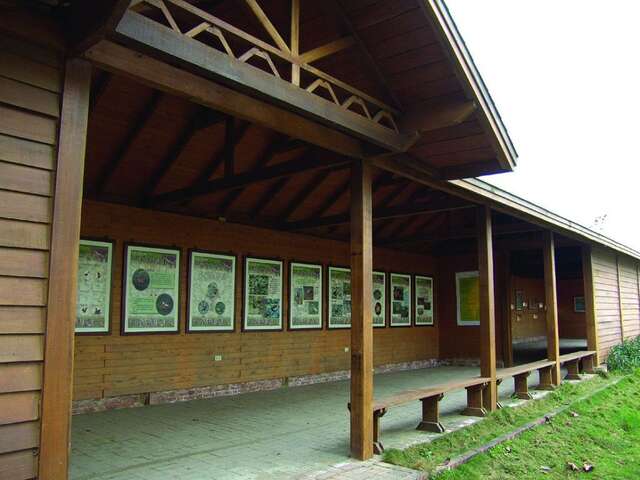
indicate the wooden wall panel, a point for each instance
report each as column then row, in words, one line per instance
column 605, row 284
column 571, row 324
column 117, row 365
column 30, row 82
column 628, row 277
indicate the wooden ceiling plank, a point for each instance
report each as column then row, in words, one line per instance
column 264, row 201
column 140, row 122
column 304, row 194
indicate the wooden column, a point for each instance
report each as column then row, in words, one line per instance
column 361, row 327
column 590, row 304
column 63, row 268
column 295, row 40
column 620, row 307
column 551, row 300
column 487, row 307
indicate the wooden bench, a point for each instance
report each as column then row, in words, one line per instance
column 520, row 374
column 430, row 398
column 578, row 362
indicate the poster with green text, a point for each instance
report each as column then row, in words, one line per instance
column 379, row 298
column 305, row 297
column 339, row 297
column 263, row 294
column 400, row 300
column 212, row 286
column 468, row 298
column 93, row 306
column 151, row 290
column 424, row 300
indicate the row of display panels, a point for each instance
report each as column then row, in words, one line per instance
column 151, row 289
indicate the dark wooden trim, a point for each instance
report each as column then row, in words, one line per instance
column 108, row 332
column 290, row 262
column 411, row 300
column 57, row 383
column 284, row 299
column 187, row 327
column 123, row 293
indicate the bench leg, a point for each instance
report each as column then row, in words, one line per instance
column 573, row 370
column 431, row 415
column 522, row 386
column 498, row 404
column 377, row 444
column 475, row 406
column 588, row 364
column 546, row 379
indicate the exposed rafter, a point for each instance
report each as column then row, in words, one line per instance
column 268, row 26
column 327, row 49
column 304, row 193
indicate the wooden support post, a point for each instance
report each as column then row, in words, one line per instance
column 475, row 405
column 295, row 40
column 431, row 415
column 487, row 307
column 65, row 236
column 590, row 305
column 522, row 386
column 551, row 297
column 573, row 370
column 361, row 327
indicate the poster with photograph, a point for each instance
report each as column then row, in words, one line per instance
column 424, row 300
column 212, row 286
column 339, row 297
column 93, row 306
column 262, row 294
column 378, row 307
column 151, row 289
column 468, row 298
column 305, row 296
column 400, row 300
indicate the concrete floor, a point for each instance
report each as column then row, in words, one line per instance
column 286, row 433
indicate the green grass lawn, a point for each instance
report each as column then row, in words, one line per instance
column 603, row 431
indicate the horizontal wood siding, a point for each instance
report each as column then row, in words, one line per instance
column 629, row 297
column 117, row 365
column 30, row 83
column 605, row 285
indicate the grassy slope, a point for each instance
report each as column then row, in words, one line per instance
column 566, row 439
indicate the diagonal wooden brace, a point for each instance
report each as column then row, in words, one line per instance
column 431, row 414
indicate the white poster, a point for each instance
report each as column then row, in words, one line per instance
column 305, row 296
column 400, row 300
column 263, row 294
column 339, row 297
column 378, row 307
column 94, row 286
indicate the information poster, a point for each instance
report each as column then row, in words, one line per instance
column 305, row 298
column 151, row 293
column 424, row 300
column 468, row 298
column 339, row 297
column 379, row 300
column 212, row 286
column 401, row 300
column 263, row 294
column 94, row 286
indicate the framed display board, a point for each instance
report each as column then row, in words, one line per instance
column 578, row 304
column 468, row 298
column 212, row 292
column 305, row 296
column 379, row 306
column 339, row 297
column 151, row 289
column 400, row 300
column 424, row 300
column 95, row 266
column 262, row 294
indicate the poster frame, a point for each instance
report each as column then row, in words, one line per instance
column 291, row 263
column 329, row 327
column 415, row 301
column 187, row 325
column 466, row 274
column 386, row 299
column 108, row 331
column 123, row 293
column 411, row 312
column 245, row 292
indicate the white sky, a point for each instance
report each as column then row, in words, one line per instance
column 565, row 76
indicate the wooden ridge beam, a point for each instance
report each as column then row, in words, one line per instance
column 280, row 170
column 425, row 118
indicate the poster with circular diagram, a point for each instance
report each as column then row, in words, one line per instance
column 400, row 300
column 151, row 289
column 94, row 286
column 339, row 297
column 424, row 300
column 305, row 296
column 212, row 286
column 262, row 294
column 378, row 307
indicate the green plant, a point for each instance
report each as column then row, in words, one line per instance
column 625, row 357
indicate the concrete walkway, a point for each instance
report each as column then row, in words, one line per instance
column 300, row 432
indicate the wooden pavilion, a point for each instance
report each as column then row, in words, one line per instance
column 343, row 133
